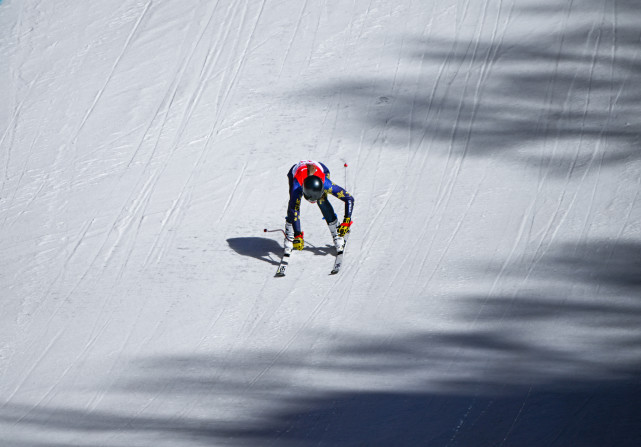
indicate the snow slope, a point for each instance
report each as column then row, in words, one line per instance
column 491, row 293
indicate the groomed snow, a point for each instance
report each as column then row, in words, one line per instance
column 491, row 294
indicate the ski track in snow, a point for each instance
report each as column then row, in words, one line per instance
column 115, row 65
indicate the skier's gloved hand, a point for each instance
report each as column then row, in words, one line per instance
column 299, row 243
column 343, row 228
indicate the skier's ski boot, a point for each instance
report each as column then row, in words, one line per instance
column 289, row 236
column 339, row 242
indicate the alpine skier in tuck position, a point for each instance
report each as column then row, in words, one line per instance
column 310, row 179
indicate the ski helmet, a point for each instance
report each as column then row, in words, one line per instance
column 312, row 188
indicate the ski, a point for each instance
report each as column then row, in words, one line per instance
column 338, row 262
column 282, row 267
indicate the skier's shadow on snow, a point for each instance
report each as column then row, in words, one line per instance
column 269, row 250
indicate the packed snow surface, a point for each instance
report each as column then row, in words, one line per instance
column 491, row 293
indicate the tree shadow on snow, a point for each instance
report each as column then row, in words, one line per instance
column 605, row 416
column 556, row 363
column 573, row 92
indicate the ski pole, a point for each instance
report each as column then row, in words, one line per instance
column 275, row 231
column 285, row 234
column 345, row 166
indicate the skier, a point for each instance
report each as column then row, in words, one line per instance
column 310, row 179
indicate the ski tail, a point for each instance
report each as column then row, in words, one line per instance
column 284, row 262
column 338, row 262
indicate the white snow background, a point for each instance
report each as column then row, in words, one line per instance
column 491, row 294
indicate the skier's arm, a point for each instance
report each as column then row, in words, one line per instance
column 343, row 195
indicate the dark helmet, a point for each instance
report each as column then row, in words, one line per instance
column 312, row 188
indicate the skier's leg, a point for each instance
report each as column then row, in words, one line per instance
column 332, row 221
column 327, row 209
column 289, row 226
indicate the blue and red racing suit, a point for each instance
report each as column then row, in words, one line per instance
column 297, row 175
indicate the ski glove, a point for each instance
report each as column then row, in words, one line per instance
column 343, row 228
column 299, row 243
